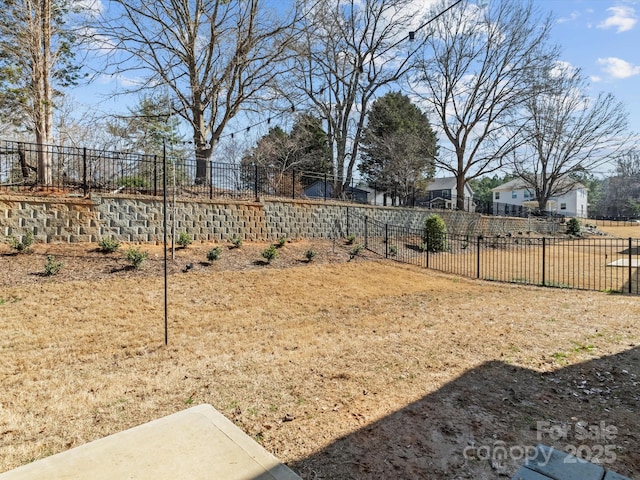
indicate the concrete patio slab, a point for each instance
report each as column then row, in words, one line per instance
column 197, row 443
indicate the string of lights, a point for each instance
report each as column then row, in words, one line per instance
column 410, row 37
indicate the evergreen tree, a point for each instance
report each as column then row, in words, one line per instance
column 399, row 147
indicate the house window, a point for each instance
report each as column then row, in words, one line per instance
column 526, row 194
column 563, row 206
column 497, row 195
column 514, row 194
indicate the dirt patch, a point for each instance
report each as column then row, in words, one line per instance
column 342, row 367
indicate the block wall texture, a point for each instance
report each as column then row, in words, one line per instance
column 139, row 219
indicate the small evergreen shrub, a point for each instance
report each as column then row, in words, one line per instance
column 281, row 241
column 184, row 239
column 214, row 254
column 310, row 255
column 108, row 245
column 574, row 227
column 270, row 253
column 351, row 239
column 136, row 257
column 23, row 245
column 236, row 241
column 393, row 250
column 434, row 234
column 355, row 250
column 52, row 267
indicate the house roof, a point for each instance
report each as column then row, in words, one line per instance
column 519, row 184
column 445, row 183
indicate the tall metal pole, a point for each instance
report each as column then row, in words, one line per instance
column 164, row 233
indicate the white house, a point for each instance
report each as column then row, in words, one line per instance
column 519, row 195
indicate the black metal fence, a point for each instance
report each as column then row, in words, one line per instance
column 82, row 170
column 593, row 263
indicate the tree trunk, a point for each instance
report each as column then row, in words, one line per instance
column 460, row 200
column 42, row 97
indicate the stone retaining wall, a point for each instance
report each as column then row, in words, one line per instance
column 139, row 219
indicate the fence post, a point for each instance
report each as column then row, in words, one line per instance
column 348, row 222
column 85, row 187
column 210, row 179
column 366, row 232
column 544, row 252
column 478, row 248
column 630, row 269
column 155, row 175
column 293, row 184
column 325, row 187
column 255, row 182
column 386, row 240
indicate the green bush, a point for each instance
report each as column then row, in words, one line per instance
column 22, row 245
column 52, row 267
column 136, row 257
column 310, row 255
column 270, row 253
column 237, row 241
column 574, row 227
column 282, row 241
column 184, row 239
column 393, row 250
column 108, row 245
column 351, row 239
column 133, row 182
column 434, row 234
column 355, row 250
column 214, row 254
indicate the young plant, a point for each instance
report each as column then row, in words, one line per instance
column 574, row 227
column 236, row 241
column 22, row 246
column 393, row 250
column 52, row 267
column 270, row 253
column 350, row 239
column 108, row 245
column 310, row 255
column 281, row 241
column 136, row 257
column 355, row 250
column 184, row 239
column 214, row 254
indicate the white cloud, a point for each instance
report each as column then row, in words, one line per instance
column 572, row 16
column 618, row 68
column 595, row 78
column 622, row 17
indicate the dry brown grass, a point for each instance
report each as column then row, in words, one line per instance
column 335, row 345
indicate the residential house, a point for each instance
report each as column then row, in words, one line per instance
column 516, row 196
column 443, row 193
column 324, row 190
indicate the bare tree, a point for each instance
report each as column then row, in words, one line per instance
column 36, row 53
column 215, row 57
column 347, row 51
column 475, row 77
column 567, row 133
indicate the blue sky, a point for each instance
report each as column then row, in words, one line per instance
column 602, row 37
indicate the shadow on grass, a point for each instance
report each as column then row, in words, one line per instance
column 464, row 429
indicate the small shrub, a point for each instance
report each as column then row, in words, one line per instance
column 350, row 239
column 108, row 245
column 214, row 254
column 310, row 255
column 236, row 241
column 574, row 227
column 355, row 251
column 393, row 250
column 434, row 234
column 184, row 239
column 136, row 257
column 270, row 253
column 52, row 267
column 23, row 245
column 281, row 241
